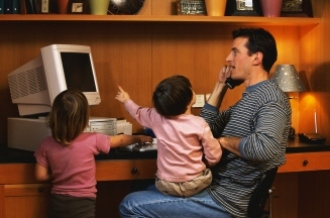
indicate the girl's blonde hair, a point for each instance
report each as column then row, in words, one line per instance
column 69, row 116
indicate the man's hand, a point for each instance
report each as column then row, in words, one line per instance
column 224, row 73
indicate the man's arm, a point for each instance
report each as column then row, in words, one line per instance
column 210, row 111
column 231, row 144
column 217, row 94
column 220, row 88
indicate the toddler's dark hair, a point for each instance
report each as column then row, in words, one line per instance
column 172, row 96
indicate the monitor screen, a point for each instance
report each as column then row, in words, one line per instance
column 78, row 71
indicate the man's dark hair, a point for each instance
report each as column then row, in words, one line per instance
column 259, row 40
column 172, row 96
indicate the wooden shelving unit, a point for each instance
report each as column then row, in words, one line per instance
column 231, row 20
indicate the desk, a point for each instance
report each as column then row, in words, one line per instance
column 302, row 157
column 295, row 180
column 22, row 196
column 137, row 169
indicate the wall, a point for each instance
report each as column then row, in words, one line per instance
column 315, row 64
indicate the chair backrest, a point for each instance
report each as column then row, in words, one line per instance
column 261, row 193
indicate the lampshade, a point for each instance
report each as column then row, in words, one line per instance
column 288, row 79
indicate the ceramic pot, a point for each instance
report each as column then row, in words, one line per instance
column 99, row 7
column 62, row 6
column 215, row 7
column 271, row 8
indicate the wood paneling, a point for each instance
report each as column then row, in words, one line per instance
column 25, row 200
column 314, row 195
column 29, row 207
column 134, row 55
column 315, row 68
column 2, row 199
column 285, row 192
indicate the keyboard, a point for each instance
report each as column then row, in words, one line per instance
column 143, row 148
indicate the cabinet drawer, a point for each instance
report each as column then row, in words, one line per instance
column 26, row 189
column 310, row 161
column 126, row 169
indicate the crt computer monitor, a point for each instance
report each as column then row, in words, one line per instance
column 34, row 85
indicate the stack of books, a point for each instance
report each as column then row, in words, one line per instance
column 10, row 6
column 25, row 6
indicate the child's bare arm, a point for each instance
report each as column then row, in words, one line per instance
column 41, row 173
column 124, row 140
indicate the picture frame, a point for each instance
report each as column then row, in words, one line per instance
column 77, row 7
column 243, row 8
column 191, row 7
column 297, row 8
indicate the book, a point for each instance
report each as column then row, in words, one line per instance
column 7, row 6
column 15, row 7
column 22, row 7
column 2, row 6
column 36, row 6
column 30, row 7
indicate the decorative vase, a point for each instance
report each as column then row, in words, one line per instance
column 271, row 8
column 99, row 7
column 62, row 6
column 215, row 7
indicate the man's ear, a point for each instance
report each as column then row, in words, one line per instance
column 257, row 60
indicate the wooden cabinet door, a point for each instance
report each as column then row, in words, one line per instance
column 27, row 200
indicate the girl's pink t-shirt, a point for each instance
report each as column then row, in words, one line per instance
column 73, row 167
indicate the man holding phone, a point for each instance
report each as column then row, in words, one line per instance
column 254, row 131
column 253, row 134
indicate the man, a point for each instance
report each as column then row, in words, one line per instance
column 253, row 134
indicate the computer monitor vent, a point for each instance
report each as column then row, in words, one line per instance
column 27, row 83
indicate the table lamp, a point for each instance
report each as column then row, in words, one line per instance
column 288, row 80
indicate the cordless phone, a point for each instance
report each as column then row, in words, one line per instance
column 232, row 83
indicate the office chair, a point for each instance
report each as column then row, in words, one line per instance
column 260, row 195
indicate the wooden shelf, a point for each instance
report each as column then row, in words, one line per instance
column 231, row 20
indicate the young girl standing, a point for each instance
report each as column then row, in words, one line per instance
column 67, row 157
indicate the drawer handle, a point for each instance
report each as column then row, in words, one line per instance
column 41, row 189
column 305, row 163
column 134, row 170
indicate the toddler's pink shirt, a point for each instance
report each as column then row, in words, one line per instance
column 182, row 143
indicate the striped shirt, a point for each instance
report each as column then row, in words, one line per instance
column 262, row 118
